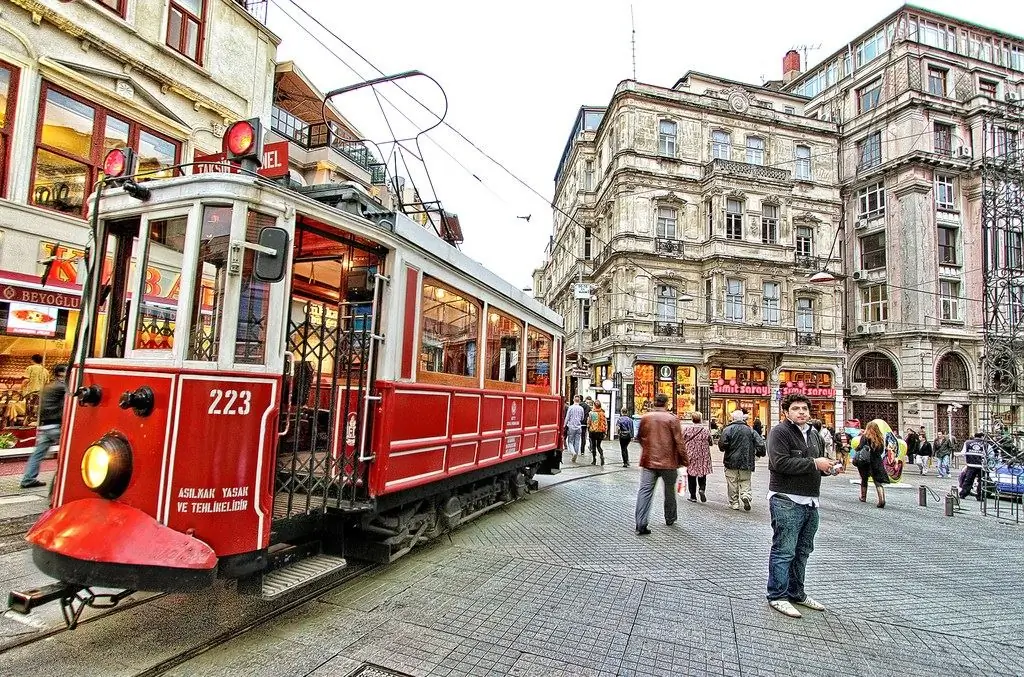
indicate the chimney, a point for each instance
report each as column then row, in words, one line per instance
column 790, row 66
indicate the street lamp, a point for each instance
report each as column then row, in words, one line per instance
column 823, row 276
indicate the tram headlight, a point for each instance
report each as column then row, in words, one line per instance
column 107, row 465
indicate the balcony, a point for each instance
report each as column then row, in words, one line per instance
column 805, row 338
column 668, row 246
column 668, row 328
column 319, row 135
column 806, row 262
column 731, row 168
column 595, row 335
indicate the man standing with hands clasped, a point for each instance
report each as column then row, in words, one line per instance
column 796, row 463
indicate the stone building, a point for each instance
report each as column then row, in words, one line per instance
column 914, row 98
column 697, row 213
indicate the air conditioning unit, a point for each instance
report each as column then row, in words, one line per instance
column 860, row 223
column 858, row 389
column 964, row 151
column 858, row 274
column 863, row 328
column 1012, row 96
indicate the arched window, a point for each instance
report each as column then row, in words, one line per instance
column 951, row 373
column 877, row 371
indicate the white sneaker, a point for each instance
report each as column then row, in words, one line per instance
column 734, row 507
column 812, row 603
column 785, row 608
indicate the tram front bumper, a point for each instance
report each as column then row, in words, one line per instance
column 96, row 542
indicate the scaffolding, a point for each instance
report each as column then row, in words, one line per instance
column 1002, row 221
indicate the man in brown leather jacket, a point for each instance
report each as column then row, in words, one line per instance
column 661, row 439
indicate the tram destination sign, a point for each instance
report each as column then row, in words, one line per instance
column 275, row 162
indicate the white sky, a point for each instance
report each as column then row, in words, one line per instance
column 516, row 74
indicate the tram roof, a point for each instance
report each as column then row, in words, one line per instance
column 405, row 230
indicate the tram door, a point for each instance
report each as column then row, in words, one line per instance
column 332, row 320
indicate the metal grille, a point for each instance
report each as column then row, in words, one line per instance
column 868, row 410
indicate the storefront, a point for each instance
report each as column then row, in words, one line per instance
column 817, row 386
column 677, row 382
column 745, row 388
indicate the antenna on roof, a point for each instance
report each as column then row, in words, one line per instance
column 803, row 49
column 632, row 24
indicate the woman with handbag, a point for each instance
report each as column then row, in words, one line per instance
column 868, row 461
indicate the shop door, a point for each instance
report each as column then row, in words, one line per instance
column 868, row 410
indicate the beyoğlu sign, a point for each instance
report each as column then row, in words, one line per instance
column 730, row 387
column 801, row 388
column 40, row 297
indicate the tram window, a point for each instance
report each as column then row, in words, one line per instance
column 110, row 322
column 254, row 301
column 158, row 312
column 538, row 359
column 504, row 344
column 208, row 288
column 450, row 330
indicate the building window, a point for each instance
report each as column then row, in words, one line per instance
column 803, row 163
column 874, row 303
column 588, row 243
column 118, row 6
column 877, row 371
column 936, row 81
column 185, row 27
column 869, row 151
column 709, row 302
column 869, row 96
column 804, row 241
column 951, row 373
column 709, row 210
column 450, row 329
column 72, row 139
column 871, row 201
column 667, row 138
column 770, row 303
column 769, row 224
column 666, row 226
column 805, row 316
column 944, row 192
column 1001, row 140
column 947, row 246
column 872, row 251
column 734, row 300
column 585, row 313
column 666, row 303
column 504, row 346
column 755, row 150
column 8, row 100
column 789, row 110
column 987, row 88
column 943, row 139
column 949, row 295
column 733, row 219
column 720, row 145
column 871, row 48
column 1014, row 249
column 588, row 175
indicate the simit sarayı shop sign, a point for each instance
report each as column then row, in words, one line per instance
column 731, row 387
column 801, row 388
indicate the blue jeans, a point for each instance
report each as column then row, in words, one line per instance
column 793, row 527
column 46, row 437
column 572, row 440
column 944, row 466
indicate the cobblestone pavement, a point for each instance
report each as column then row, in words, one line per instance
column 559, row 584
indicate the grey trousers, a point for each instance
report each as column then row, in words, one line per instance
column 648, row 479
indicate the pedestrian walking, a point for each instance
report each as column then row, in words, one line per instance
column 796, row 464
column 588, row 405
column 975, row 453
column 698, row 452
column 51, row 411
column 758, row 427
column 843, row 448
column 597, row 426
column 624, row 427
column 574, row 418
column 943, row 448
column 913, row 445
column 662, row 453
column 870, row 452
column 924, row 452
column 740, row 445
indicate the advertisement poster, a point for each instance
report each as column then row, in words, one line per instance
column 29, row 319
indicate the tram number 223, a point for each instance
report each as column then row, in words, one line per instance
column 230, row 402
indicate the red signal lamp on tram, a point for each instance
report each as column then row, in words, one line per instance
column 119, row 169
column 243, row 143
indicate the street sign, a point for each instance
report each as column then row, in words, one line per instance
column 579, row 373
column 581, row 290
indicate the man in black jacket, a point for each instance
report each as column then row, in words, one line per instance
column 740, row 444
column 51, row 410
column 796, row 462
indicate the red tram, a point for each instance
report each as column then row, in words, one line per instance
column 326, row 378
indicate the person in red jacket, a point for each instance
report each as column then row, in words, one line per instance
column 663, row 453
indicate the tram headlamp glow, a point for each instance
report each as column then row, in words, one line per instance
column 107, row 466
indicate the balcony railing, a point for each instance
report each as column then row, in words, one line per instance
column 662, row 328
column 595, row 335
column 720, row 166
column 606, row 330
column 319, row 135
column 669, row 246
column 804, row 338
column 805, row 262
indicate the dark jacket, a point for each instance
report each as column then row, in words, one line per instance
column 661, row 438
column 925, row 449
column 51, row 403
column 913, row 444
column 943, row 448
column 790, row 460
column 740, row 443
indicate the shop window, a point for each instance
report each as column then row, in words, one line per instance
column 538, row 360
column 158, row 310
column 73, row 137
column 8, row 102
column 450, row 331
column 951, row 373
column 185, row 28
column 504, row 346
column 877, row 371
column 208, row 288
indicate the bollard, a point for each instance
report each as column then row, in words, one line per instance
column 922, row 496
column 949, row 505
